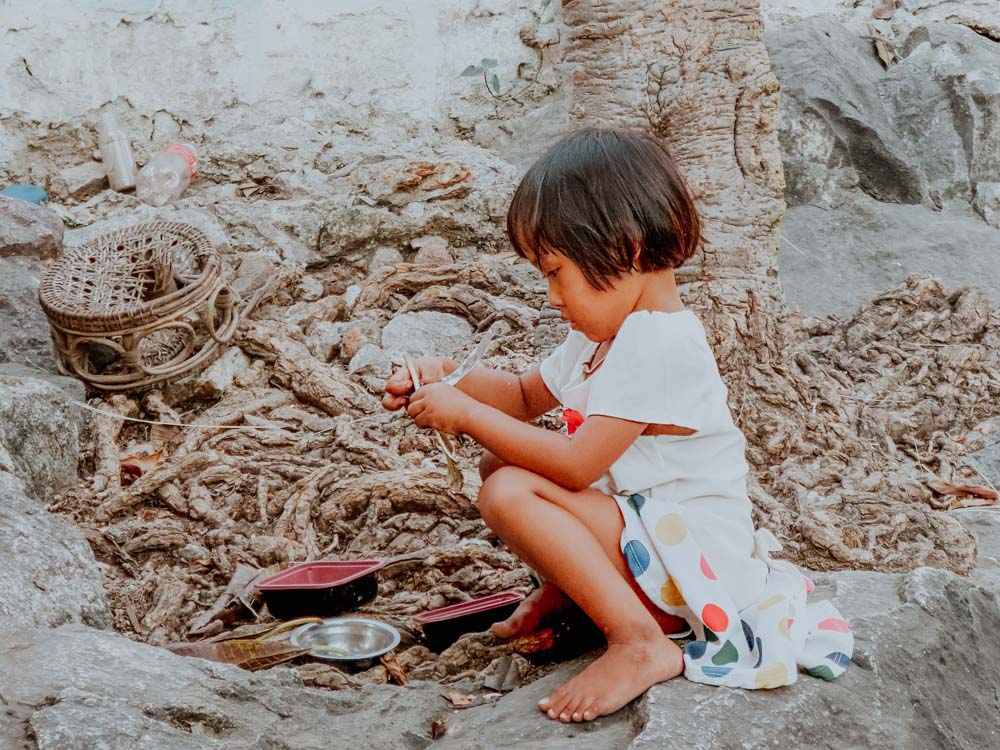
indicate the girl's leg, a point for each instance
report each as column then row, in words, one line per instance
column 602, row 517
column 530, row 514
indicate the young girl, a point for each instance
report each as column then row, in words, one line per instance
column 640, row 513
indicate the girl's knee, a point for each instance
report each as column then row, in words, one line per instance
column 502, row 493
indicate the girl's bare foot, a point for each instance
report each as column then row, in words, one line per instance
column 526, row 618
column 623, row 672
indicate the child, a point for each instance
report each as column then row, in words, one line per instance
column 640, row 514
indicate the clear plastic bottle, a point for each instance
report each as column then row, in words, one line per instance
column 116, row 153
column 167, row 175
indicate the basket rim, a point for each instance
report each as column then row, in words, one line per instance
column 141, row 312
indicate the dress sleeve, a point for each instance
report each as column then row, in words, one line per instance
column 557, row 369
column 658, row 371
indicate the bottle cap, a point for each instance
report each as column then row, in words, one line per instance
column 185, row 151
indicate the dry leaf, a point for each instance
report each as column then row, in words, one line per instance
column 884, row 10
column 438, row 729
column 505, row 674
column 395, row 669
column 161, row 434
column 240, row 590
column 139, row 465
column 972, row 502
column 246, row 654
column 463, row 700
column 882, row 46
column 963, row 490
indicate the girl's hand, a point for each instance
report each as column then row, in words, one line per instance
column 442, row 407
column 399, row 386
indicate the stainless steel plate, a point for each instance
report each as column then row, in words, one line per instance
column 346, row 639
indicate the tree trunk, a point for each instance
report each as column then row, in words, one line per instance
column 696, row 74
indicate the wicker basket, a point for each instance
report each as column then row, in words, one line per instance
column 138, row 306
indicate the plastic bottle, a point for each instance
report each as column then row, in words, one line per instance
column 116, row 153
column 167, row 175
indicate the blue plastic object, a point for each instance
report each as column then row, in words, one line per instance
column 30, row 193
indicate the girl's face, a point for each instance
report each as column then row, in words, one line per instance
column 596, row 314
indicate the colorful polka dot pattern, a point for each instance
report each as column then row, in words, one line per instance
column 759, row 647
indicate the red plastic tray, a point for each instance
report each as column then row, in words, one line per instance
column 463, row 609
column 320, row 574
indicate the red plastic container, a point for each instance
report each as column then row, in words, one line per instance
column 321, row 588
column 444, row 626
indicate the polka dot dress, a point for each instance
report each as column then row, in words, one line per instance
column 689, row 539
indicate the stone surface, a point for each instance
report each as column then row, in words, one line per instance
column 47, row 571
column 833, row 258
column 40, row 432
column 431, row 251
column 888, row 172
column 384, row 257
column 422, row 334
column 324, row 339
column 923, row 677
column 370, row 360
column 30, row 230
column 212, row 382
column 24, row 330
column 82, row 181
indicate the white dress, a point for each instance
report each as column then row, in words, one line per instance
column 689, row 538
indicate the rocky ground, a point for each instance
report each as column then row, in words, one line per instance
column 367, row 255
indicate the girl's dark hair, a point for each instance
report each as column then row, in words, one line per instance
column 601, row 197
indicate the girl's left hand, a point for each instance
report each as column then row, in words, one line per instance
column 442, row 407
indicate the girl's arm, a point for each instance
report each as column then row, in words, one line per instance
column 573, row 462
column 522, row 397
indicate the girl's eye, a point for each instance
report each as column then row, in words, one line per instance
column 551, row 274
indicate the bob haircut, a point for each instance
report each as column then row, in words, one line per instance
column 612, row 201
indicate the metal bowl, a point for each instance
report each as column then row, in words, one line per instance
column 346, row 639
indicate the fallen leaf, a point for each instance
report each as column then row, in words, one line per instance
column 463, row 700
column 884, row 10
column 246, row 654
column 161, row 434
column 438, row 729
column 505, row 676
column 882, row 47
column 963, row 490
column 139, row 465
column 395, row 669
column 239, row 591
column 972, row 502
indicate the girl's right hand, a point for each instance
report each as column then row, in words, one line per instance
column 400, row 386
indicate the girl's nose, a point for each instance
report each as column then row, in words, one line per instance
column 554, row 299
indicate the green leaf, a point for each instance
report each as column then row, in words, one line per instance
column 496, row 84
column 472, row 70
column 488, row 62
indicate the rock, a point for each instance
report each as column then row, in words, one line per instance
column 25, row 336
column 30, row 230
column 82, row 181
column 912, row 661
column 372, row 367
column 384, row 257
column 255, row 270
column 40, row 432
column 324, row 339
column 909, row 134
column 355, row 334
column 426, row 333
column 212, row 382
column 310, row 289
column 833, row 259
column 75, row 688
column 431, row 251
column 370, row 360
column 351, row 295
column 398, row 182
column 987, row 202
column 48, row 575
column 987, row 458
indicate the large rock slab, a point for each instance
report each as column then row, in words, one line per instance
column 40, row 431
column 29, row 230
column 48, row 575
column 832, row 259
column 24, row 329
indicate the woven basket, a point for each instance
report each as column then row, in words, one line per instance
column 138, row 306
